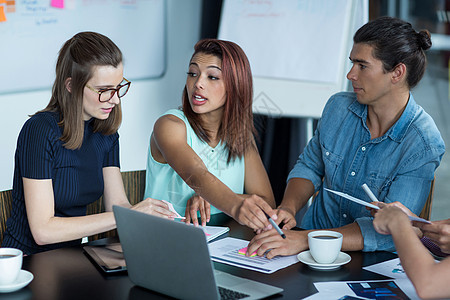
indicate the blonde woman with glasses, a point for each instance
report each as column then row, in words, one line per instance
column 67, row 154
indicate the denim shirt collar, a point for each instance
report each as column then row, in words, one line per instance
column 397, row 131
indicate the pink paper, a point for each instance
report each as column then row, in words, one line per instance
column 57, row 3
column 244, row 250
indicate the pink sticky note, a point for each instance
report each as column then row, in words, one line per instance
column 57, row 3
column 244, row 250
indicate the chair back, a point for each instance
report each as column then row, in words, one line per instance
column 5, row 210
column 134, row 185
column 426, row 211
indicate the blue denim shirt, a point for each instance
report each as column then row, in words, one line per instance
column 399, row 166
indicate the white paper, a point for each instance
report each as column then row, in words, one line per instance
column 272, row 41
column 172, row 209
column 340, row 288
column 351, row 198
column 390, row 268
column 329, row 296
column 213, row 232
column 226, row 251
column 412, row 218
column 393, row 268
column 364, row 203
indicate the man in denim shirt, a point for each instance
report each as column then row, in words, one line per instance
column 376, row 135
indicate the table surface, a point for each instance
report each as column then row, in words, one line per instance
column 69, row 274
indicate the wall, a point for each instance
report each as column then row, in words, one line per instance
column 145, row 101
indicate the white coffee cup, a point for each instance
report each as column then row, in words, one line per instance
column 324, row 245
column 10, row 265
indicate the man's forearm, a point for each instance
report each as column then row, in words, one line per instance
column 353, row 239
column 297, row 193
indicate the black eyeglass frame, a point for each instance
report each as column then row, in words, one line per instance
column 116, row 90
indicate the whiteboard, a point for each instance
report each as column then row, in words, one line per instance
column 34, row 31
column 298, row 49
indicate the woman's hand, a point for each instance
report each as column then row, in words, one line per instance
column 154, row 207
column 388, row 217
column 396, row 204
column 438, row 232
column 252, row 211
column 194, row 204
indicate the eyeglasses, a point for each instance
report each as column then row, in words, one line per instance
column 104, row 95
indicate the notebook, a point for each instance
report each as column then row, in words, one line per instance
column 173, row 259
column 108, row 258
column 213, row 232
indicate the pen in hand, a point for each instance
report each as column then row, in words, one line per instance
column 369, row 193
column 275, row 226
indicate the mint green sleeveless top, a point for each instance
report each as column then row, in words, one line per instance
column 163, row 183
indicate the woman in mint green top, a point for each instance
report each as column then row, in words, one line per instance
column 164, row 183
column 203, row 159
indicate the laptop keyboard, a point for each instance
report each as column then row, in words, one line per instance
column 227, row 294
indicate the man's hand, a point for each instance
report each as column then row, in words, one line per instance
column 286, row 216
column 271, row 242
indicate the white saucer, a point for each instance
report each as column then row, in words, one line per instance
column 22, row 280
column 306, row 258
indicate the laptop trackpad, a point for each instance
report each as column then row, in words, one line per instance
column 256, row 289
column 227, row 280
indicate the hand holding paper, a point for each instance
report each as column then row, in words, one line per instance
column 351, row 198
column 172, row 209
column 364, row 203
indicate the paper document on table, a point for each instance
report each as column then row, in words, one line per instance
column 364, row 203
column 351, row 198
column 370, row 289
column 172, row 209
column 227, row 251
column 390, row 268
column 213, row 232
column 412, row 218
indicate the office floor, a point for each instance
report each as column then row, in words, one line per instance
column 432, row 94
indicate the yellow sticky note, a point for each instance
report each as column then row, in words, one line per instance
column 244, row 250
column 2, row 14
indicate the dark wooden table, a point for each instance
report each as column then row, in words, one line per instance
column 69, row 274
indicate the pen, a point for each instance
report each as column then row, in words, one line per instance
column 275, row 226
column 369, row 193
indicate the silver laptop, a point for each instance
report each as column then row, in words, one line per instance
column 173, row 259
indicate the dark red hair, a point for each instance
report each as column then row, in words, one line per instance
column 236, row 129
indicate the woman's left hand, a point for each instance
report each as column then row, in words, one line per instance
column 194, row 204
column 388, row 217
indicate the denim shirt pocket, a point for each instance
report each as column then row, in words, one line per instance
column 379, row 182
column 331, row 162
